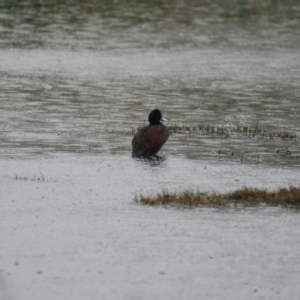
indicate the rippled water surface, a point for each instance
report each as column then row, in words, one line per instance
column 77, row 78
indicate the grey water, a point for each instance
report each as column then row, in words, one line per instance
column 80, row 76
column 77, row 78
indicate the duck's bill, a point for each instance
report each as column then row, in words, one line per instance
column 163, row 119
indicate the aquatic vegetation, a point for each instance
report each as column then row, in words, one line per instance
column 227, row 131
column 186, row 198
column 35, row 178
column 283, row 196
column 27, row 178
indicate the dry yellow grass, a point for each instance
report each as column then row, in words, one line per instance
column 282, row 196
column 185, row 198
column 288, row 197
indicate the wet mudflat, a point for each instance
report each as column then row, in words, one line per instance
column 76, row 82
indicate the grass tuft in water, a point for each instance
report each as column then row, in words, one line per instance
column 282, row 196
column 186, row 198
column 36, row 178
column 226, row 131
column 287, row 197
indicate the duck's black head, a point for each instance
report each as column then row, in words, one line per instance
column 155, row 117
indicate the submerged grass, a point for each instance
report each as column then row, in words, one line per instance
column 286, row 197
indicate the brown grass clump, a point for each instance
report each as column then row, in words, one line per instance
column 248, row 195
column 282, row 196
column 186, row 198
column 287, row 197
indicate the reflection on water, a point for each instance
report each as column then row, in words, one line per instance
column 79, row 76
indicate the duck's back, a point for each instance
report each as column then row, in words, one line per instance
column 149, row 140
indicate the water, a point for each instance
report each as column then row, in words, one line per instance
column 72, row 73
column 77, row 78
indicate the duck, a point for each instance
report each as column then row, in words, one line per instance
column 149, row 139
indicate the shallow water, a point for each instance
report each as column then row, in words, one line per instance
column 73, row 230
column 77, row 79
column 54, row 104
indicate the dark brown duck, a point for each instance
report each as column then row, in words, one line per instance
column 149, row 139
